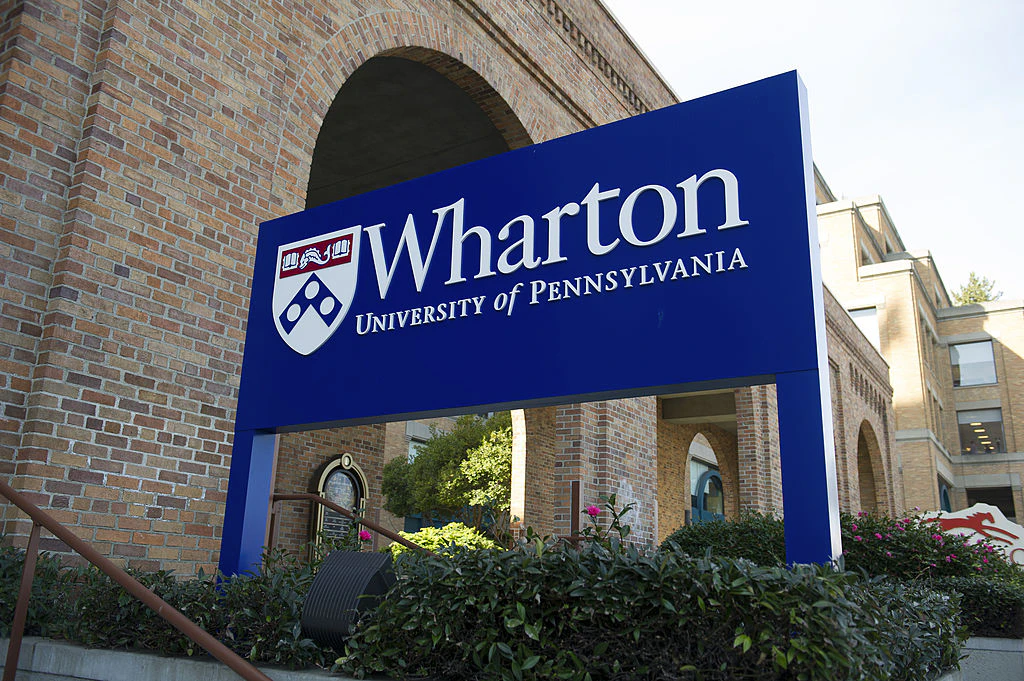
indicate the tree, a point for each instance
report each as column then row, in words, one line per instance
column 469, row 465
column 976, row 290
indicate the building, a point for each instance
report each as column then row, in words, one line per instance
column 955, row 371
column 143, row 143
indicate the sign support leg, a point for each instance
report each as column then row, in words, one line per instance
column 810, row 498
column 250, row 485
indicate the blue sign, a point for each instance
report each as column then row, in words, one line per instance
column 672, row 251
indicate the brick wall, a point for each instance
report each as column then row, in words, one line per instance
column 142, row 143
column 861, row 403
column 301, row 456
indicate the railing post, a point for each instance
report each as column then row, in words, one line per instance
column 21, row 609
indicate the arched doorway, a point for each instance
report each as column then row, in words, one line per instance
column 707, row 494
column 869, row 474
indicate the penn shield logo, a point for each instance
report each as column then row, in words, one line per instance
column 314, row 284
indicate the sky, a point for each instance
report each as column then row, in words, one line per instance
column 919, row 102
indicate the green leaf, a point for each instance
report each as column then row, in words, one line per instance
column 742, row 640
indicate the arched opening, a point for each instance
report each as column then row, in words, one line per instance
column 402, row 115
column 945, row 502
column 707, row 494
column 868, row 463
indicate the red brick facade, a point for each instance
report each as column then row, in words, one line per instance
column 141, row 144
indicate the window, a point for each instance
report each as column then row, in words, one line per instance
column 865, row 256
column 1001, row 497
column 866, row 319
column 414, row 448
column 973, row 363
column 707, row 496
column 981, row 431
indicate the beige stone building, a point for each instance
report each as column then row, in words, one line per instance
column 956, row 372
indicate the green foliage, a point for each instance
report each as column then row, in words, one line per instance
column 45, row 606
column 908, row 548
column 543, row 612
column 440, row 538
column 260, row 614
column 913, row 548
column 922, row 632
column 905, row 548
column 755, row 536
column 976, row 290
column 990, row 607
column 257, row 616
column 435, row 483
column 485, row 475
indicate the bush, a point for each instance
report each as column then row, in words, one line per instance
column 256, row 615
column 755, row 536
column 922, row 631
column 904, row 548
column 595, row 613
column 45, row 606
column 912, row 548
column 989, row 607
column 440, row 538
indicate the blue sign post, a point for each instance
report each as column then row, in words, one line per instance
column 672, row 251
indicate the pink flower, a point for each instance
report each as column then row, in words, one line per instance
column 853, row 527
column 889, row 554
column 593, row 511
column 877, row 536
column 984, row 560
column 857, row 538
column 364, row 535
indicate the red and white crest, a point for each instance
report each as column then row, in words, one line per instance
column 313, row 287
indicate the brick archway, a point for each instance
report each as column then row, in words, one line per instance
column 674, row 441
column 494, row 84
column 871, row 482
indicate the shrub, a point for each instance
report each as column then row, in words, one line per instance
column 256, row 615
column 440, row 538
column 755, row 536
column 922, row 630
column 912, row 548
column 594, row 613
column 989, row 607
column 45, row 607
column 905, row 548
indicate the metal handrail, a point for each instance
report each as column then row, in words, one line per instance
column 42, row 519
column 379, row 529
